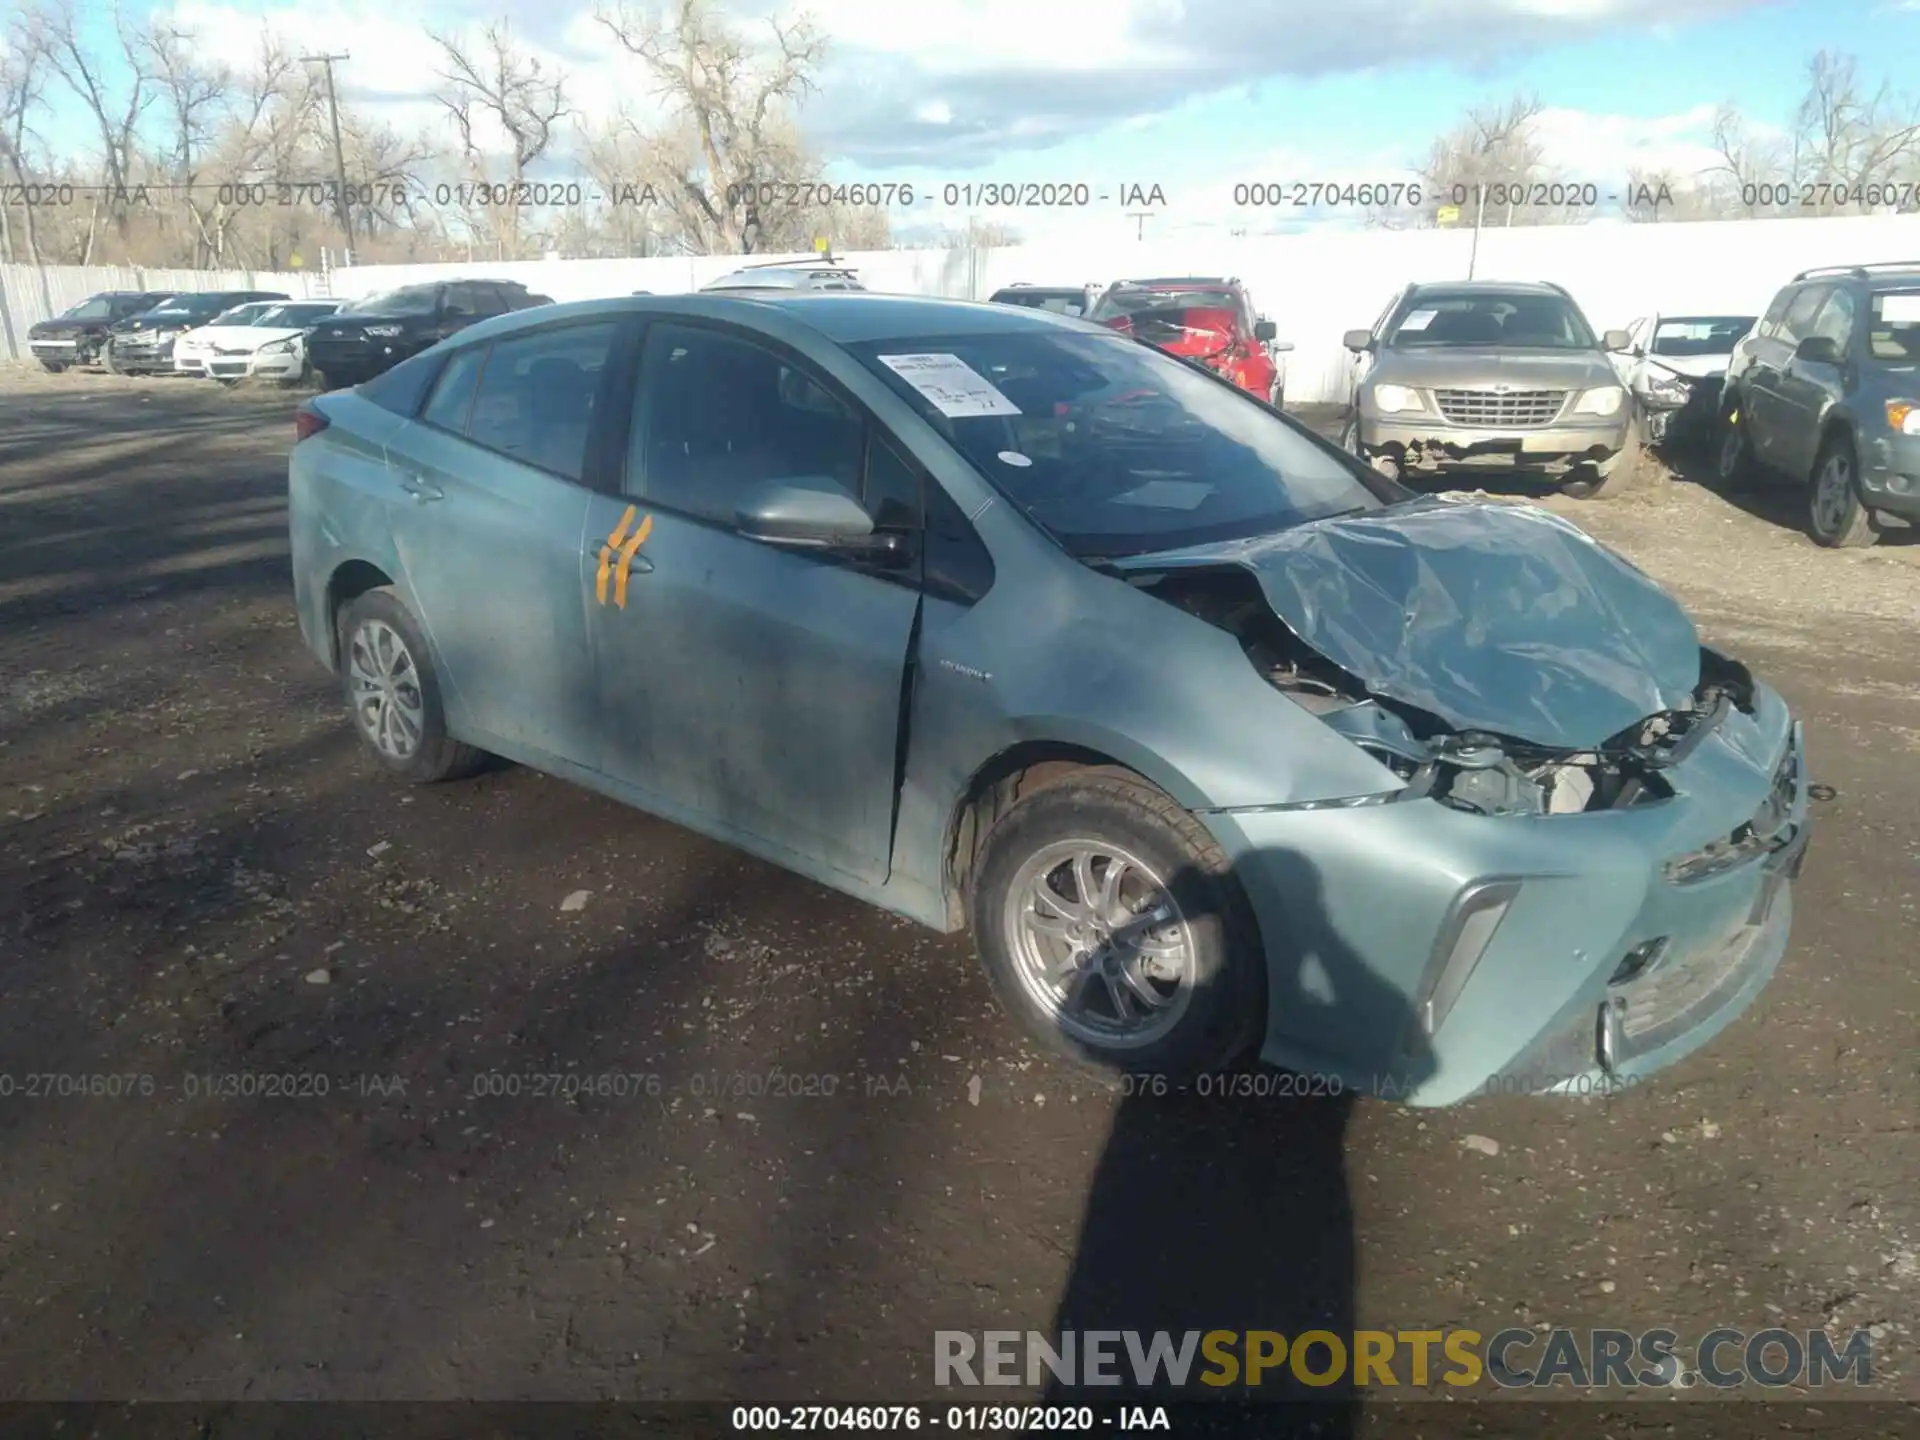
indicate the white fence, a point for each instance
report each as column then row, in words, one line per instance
column 1315, row 285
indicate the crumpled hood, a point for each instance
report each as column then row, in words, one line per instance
column 1699, row 367
column 64, row 325
column 1492, row 617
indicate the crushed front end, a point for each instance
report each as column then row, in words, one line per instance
column 1579, row 865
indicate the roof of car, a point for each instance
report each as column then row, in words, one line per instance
column 1486, row 287
column 846, row 317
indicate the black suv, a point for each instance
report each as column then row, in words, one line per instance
column 376, row 334
column 74, row 337
column 1826, row 391
column 142, row 344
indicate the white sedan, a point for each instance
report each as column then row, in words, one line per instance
column 266, row 341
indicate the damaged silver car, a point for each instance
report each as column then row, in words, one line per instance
column 1219, row 742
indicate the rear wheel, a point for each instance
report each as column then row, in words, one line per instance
column 1111, row 927
column 53, row 367
column 393, row 693
column 1836, row 515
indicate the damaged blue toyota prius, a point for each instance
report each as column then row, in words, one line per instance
column 1219, row 743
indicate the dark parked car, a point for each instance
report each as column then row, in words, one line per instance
column 74, row 336
column 374, row 335
column 1825, row 392
column 142, row 344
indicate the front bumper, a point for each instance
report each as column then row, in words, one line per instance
column 1426, row 441
column 1427, row 955
column 278, row 366
column 61, row 350
column 150, row 358
column 1890, row 474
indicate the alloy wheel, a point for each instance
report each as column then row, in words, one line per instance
column 1100, row 944
column 384, row 686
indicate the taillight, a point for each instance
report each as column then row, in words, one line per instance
column 307, row 423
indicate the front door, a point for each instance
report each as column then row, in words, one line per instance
column 1807, row 387
column 1765, row 415
column 490, row 521
column 745, row 684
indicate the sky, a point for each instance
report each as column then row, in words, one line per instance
column 1194, row 97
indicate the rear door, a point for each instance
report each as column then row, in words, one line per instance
column 489, row 506
column 753, row 687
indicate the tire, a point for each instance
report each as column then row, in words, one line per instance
column 1215, row 1007
column 1733, row 462
column 410, row 710
column 1350, row 436
column 1836, row 516
column 107, row 362
column 53, row 367
column 1610, row 479
column 1279, row 400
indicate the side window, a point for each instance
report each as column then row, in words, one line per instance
column 957, row 566
column 535, row 399
column 452, row 398
column 458, row 302
column 1776, row 312
column 489, row 299
column 716, row 415
column 1799, row 321
column 1835, row 320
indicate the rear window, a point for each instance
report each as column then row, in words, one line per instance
column 410, row 300
column 1700, row 335
column 1893, row 330
column 1117, row 303
column 405, row 386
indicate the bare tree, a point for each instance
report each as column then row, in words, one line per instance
column 731, row 157
column 194, row 97
column 114, row 104
column 494, row 81
column 1852, row 145
column 22, row 73
column 1486, row 166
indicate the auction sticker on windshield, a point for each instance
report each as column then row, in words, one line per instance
column 1418, row 320
column 954, row 387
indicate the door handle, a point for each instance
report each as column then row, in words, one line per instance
column 420, row 488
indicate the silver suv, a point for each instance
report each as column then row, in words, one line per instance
column 820, row 273
column 1490, row 373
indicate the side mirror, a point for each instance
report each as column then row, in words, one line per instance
column 1617, row 340
column 1818, row 350
column 1283, row 346
column 1358, row 341
column 1264, row 331
column 812, row 512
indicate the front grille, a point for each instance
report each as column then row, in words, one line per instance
column 1498, row 409
column 231, row 350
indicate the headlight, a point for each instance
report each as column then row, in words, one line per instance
column 384, row 330
column 1904, row 416
column 277, row 347
column 1669, row 389
column 1604, row 401
column 1392, row 399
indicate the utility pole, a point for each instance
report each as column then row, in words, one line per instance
column 1140, row 217
column 1479, row 214
column 339, row 155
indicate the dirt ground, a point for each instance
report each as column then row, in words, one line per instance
column 798, row 1137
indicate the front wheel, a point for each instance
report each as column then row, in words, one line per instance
column 1350, row 436
column 1279, row 397
column 1610, row 478
column 393, row 693
column 107, row 362
column 1109, row 924
column 53, row 367
column 1836, row 516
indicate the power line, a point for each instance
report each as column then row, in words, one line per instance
column 339, row 155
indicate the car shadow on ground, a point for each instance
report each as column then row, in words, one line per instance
column 1223, row 1205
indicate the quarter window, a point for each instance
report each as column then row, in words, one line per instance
column 1798, row 323
column 453, row 396
column 718, row 416
column 1776, row 312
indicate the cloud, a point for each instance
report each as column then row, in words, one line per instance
column 1605, row 148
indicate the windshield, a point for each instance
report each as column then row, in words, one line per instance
column 409, row 300
column 1113, row 448
column 1894, row 333
column 1700, row 334
column 247, row 314
column 186, row 307
column 1059, row 304
column 1533, row 322
column 1117, row 303
column 94, row 309
column 287, row 315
